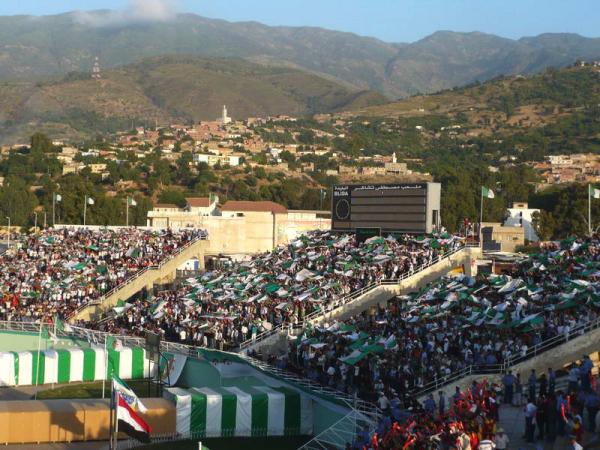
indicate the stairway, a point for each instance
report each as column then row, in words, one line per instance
column 275, row 340
column 145, row 278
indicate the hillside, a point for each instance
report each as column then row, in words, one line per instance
column 515, row 102
column 167, row 89
column 38, row 47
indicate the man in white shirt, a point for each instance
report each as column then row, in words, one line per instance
column 530, row 411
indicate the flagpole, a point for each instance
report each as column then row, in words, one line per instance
column 37, row 369
column 116, row 432
column 105, row 366
column 127, row 211
column 53, row 209
column 589, row 209
column 110, row 426
column 481, row 219
column 84, row 208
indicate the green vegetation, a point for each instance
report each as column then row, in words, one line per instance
column 94, row 390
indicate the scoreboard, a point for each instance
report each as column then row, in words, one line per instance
column 392, row 208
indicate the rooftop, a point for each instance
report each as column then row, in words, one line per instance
column 198, row 202
column 260, row 206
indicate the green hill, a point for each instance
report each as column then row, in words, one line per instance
column 167, row 89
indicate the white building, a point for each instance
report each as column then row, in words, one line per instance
column 521, row 215
column 212, row 159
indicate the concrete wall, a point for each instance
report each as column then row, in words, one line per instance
column 381, row 294
column 254, row 232
column 165, row 273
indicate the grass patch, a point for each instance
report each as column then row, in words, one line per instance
column 262, row 443
column 94, row 390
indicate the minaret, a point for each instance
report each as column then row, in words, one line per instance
column 225, row 119
column 96, row 69
column 394, row 160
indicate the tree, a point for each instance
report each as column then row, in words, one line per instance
column 173, row 196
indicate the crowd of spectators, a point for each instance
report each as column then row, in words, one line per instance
column 466, row 420
column 55, row 271
column 454, row 323
column 222, row 308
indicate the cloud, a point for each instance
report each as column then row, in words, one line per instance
column 137, row 11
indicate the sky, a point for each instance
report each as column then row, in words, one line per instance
column 389, row 20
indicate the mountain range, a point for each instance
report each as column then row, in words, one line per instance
column 167, row 89
column 51, row 46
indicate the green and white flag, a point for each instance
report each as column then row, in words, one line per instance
column 128, row 395
column 595, row 193
column 131, row 201
column 487, row 192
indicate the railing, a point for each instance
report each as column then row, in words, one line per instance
column 187, row 273
column 136, row 275
column 348, row 298
column 502, row 368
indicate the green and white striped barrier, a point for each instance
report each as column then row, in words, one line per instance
column 74, row 364
column 248, row 411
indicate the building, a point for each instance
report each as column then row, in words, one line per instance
column 239, row 227
column 213, row 159
column 520, row 215
column 395, row 167
column 497, row 237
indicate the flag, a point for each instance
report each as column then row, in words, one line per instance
column 594, row 192
column 45, row 334
column 61, row 326
column 58, row 197
column 128, row 395
column 90, row 201
column 487, row 193
column 115, row 345
column 131, row 201
column 130, row 422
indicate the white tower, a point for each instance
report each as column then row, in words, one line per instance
column 225, row 118
column 394, row 160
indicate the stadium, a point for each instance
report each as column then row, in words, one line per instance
column 384, row 332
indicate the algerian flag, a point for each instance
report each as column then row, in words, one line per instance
column 90, row 201
column 61, row 326
column 131, row 201
column 58, row 197
column 594, row 192
column 487, row 193
column 128, row 395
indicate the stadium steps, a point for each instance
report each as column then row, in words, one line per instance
column 145, row 278
column 275, row 341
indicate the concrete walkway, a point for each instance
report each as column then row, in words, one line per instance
column 512, row 419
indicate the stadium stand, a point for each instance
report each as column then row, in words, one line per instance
column 223, row 308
